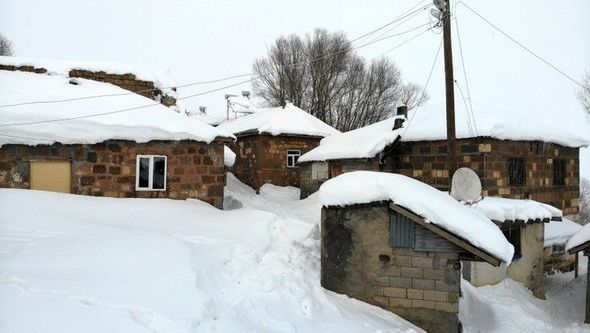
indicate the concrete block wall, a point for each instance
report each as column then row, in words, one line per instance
column 357, row 260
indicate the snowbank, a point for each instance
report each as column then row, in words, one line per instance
column 365, row 142
column 76, row 263
column 279, row 120
column 161, row 79
column 580, row 237
column 429, row 124
column 155, row 122
column 229, row 157
column 433, row 205
column 557, row 232
column 502, row 209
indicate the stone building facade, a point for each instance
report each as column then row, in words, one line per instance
column 126, row 81
column 194, row 169
column 551, row 171
column 358, row 260
column 262, row 158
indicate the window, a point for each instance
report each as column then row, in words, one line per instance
column 150, row 174
column 516, row 171
column 559, row 172
column 512, row 234
column 557, row 250
column 292, row 157
column 319, row 171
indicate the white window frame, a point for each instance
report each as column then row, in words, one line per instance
column 150, row 173
column 289, row 154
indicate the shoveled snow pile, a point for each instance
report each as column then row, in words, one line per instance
column 161, row 79
column 122, row 118
column 429, row 124
column 229, row 157
column 580, row 237
column 503, row 209
column 559, row 232
column 365, row 142
column 433, row 205
column 280, row 120
column 86, row 264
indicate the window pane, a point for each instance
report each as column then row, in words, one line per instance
column 144, row 166
column 159, row 173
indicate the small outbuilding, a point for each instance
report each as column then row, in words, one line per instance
column 523, row 223
column 397, row 243
column 580, row 242
column 557, row 233
column 124, row 145
column 270, row 142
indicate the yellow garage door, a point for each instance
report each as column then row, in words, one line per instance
column 51, row 176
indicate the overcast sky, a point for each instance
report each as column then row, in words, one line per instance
column 203, row 40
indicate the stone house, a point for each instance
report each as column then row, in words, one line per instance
column 120, row 146
column 515, row 158
column 399, row 244
column 365, row 148
column 523, row 224
column 270, row 141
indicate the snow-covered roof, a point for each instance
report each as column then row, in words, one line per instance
column 365, row 142
column 155, row 122
column 429, row 123
column 436, row 207
column 280, row 120
column 581, row 237
column 161, row 79
column 559, row 232
column 503, row 209
column 229, row 157
column 209, row 119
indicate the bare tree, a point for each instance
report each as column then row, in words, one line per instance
column 324, row 76
column 584, row 94
column 5, row 46
column 413, row 95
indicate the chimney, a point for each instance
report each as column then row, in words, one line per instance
column 246, row 94
column 203, row 109
column 401, row 111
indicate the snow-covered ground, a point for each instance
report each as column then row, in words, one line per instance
column 85, row 264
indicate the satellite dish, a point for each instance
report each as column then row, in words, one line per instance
column 466, row 185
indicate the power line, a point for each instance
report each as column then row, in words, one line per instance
column 521, row 45
column 213, row 81
column 470, row 109
column 466, row 110
column 407, row 18
column 423, row 90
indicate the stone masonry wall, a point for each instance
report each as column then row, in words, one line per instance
column 126, row 81
column 427, row 162
column 194, row 169
column 357, row 260
column 262, row 159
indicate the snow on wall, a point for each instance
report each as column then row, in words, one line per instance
column 365, row 142
column 160, row 79
column 434, row 206
column 279, row 120
column 155, row 122
column 229, row 157
column 503, row 209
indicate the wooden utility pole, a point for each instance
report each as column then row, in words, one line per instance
column 450, row 91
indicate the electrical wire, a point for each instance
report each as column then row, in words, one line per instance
column 470, row 109
column 469, row 126
column 521, row 45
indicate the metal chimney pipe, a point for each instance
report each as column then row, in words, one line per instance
column 401, row 111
